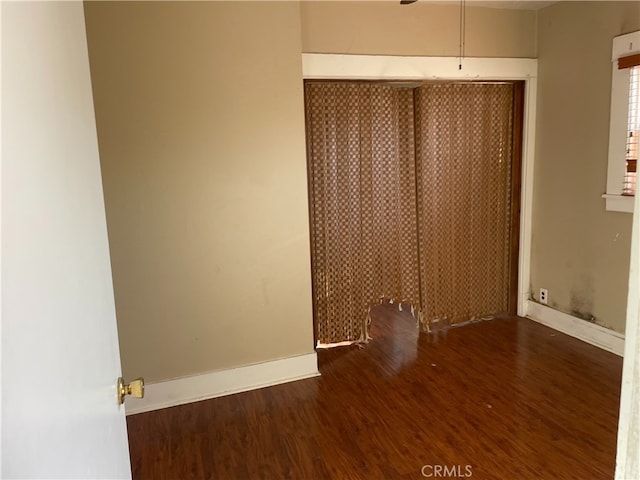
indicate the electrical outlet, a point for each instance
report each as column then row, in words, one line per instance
column 544, row 296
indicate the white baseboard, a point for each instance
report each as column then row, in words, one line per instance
column 581, row 329
column 224, row 382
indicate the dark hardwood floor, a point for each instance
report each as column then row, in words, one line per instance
column 500, row 399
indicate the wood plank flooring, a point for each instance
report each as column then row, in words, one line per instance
column 500, row 399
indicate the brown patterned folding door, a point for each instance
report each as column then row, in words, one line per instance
column 363, row 203
column 464, row 153
column 422, row 219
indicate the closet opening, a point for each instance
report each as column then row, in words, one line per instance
column 414, row 200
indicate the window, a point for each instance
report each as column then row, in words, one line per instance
column 624, row 126
column 633, row 130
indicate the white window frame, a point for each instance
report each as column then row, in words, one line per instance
column 623, row 45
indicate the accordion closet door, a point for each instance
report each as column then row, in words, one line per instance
column 468, row 138
column 363, row 203
column 414, row 200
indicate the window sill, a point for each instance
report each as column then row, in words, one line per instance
column 619, row 203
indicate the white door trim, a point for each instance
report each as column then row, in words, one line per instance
column 381, row 67
column 628, row 450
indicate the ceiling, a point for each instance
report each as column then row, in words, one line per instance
column 519, row 5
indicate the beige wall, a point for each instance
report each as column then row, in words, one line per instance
column 387, row 28
column 580, row 251
column 200, row 122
